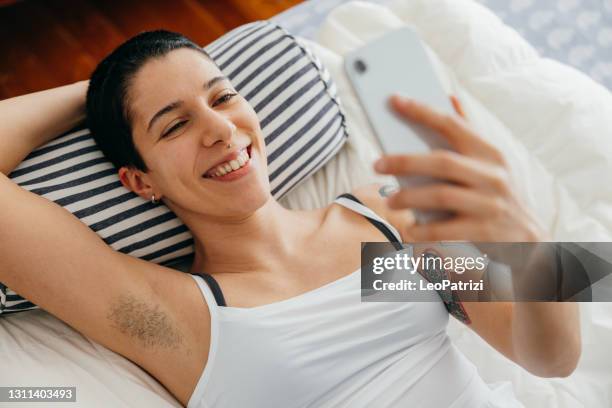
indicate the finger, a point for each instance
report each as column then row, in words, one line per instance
column 443, row 196
column 457, row 106
column 450, row 166
column 452, row 127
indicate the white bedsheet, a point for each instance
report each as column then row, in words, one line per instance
column 553, row 124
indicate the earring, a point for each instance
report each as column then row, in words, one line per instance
column 153, row 199
column 229, row 145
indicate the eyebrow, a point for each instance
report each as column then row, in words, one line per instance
column 172, row 106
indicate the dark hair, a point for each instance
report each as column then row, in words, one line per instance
column 108, row 116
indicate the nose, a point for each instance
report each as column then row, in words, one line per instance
column 217, row 128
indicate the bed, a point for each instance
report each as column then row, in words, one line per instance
column 551, row 121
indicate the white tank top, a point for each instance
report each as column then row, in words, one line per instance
column 326, row 348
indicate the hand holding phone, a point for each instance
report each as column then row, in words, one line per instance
column 480, row 190
column 426, row 140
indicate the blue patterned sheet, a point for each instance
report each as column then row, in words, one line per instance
column 575, row 32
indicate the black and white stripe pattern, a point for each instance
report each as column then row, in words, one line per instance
column 295, row 100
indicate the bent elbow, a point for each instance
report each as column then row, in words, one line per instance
column 566, row 370
column 561, row 369
column 567, row 362
column 560, row 364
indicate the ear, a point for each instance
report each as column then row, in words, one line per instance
column 136, row 181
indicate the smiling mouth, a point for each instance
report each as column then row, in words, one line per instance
column 243, row 158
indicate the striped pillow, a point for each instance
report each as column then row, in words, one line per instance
column 295, row 100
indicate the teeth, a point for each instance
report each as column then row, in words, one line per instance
column 223, row 169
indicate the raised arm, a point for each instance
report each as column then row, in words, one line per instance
column 135, row 308
column 29, row 121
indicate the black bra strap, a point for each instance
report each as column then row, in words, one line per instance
column 215, row 288
column 381, row 227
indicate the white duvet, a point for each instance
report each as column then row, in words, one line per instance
column 552, row 122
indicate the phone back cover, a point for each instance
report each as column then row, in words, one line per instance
column 397, row 63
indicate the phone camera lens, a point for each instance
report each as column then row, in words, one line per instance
column 361, row 66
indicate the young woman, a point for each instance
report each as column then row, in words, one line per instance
column 278, row 321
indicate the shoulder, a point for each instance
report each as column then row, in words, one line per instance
column 401, row 219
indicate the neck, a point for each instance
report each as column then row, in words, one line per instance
column 256, row 241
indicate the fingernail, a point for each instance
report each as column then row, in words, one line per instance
column 380, row 165
column 387, row 190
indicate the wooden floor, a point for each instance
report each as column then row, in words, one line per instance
column 48, row 43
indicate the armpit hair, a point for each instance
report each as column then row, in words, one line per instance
column 144, row 321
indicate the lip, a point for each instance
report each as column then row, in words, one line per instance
column 229, row 157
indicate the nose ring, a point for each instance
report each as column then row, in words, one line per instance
column 233, row 129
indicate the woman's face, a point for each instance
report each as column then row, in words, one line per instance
column 184, row 114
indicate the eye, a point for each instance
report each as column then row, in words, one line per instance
column 173, row 128
column 225, row 98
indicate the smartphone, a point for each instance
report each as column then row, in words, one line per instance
column 397, row 63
